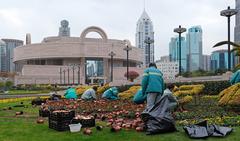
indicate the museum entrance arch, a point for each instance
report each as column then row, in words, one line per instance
column 94, row 29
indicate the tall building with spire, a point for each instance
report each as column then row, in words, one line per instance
column 144, row 31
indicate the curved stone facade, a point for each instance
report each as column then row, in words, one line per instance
column 58, row 52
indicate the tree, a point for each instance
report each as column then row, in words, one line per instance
column 9, row 84
column 131, row 75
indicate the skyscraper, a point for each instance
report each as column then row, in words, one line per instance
column 64, row 30
column 10, row 45
column 219, row 60
column 237, row 23
column 174, row 52
column 194, row 45
column 144, row 31
column 3, row 56
column 206, row 62
column 237, row 30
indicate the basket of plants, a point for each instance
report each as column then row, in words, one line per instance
column 85, row 121
column 60, row 119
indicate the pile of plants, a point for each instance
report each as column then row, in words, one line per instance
column 230, row 96
column 103, row 88
column 211, row 87
column 82, row 88
column 128, row 94
column 185, row 93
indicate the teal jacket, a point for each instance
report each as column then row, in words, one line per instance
column 70, row 94
column 235, row 77
column 152, row 81
column 111, row 94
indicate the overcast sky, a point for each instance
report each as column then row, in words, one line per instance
column 118, row 18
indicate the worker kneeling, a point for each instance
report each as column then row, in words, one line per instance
column 90, row 94
column 70, row 93
column 111, row 94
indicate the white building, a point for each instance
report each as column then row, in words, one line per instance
column 144, row 31
column 169, row 69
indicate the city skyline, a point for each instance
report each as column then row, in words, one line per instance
column 41, row 19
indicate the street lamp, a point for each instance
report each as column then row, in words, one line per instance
column 149, row 41
column 78, row 74
column 179, row 30
column 64, row 82
column 68, row 75
column 127, row 49
column 111, row 54
column 228, row 13
column 60, row 75
column 86, row 74
column 73, row 67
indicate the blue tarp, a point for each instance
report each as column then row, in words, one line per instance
column 139, row 97
column 111, row 94
column 235, row 77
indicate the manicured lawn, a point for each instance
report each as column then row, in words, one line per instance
column 25, row 128
column 28, row 92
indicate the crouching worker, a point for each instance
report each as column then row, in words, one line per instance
column 70, row 93
column 111, row 94
column 90, row 94
column 139, row 97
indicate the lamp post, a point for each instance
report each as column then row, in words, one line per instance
column 78, row 74
column 127, row 49
column 73, row 67
column 86, row 74
column 68, row 75
column 149, row 41
column 228, row 13
column 60, row 75
column 179, row 30
column 64, row 82
column 111, row 54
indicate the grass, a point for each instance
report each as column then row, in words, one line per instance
column 25, row 128
column 28, row 91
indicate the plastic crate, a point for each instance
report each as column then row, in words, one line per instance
column 44, row 113
column 59, row 125
column 61, row 116
column 85, row 122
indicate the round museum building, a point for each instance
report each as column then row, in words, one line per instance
column 64, row 59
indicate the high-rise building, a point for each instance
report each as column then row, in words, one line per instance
column 237, row 30
column 194, row 45
column 3, row 56
column 206, row 62
column 64, row 30
column 169, row 69
column 174, row 52
column 28, row 39
column 219, row 60
column 10, row 45
column 237, row 23
column 144, row 31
